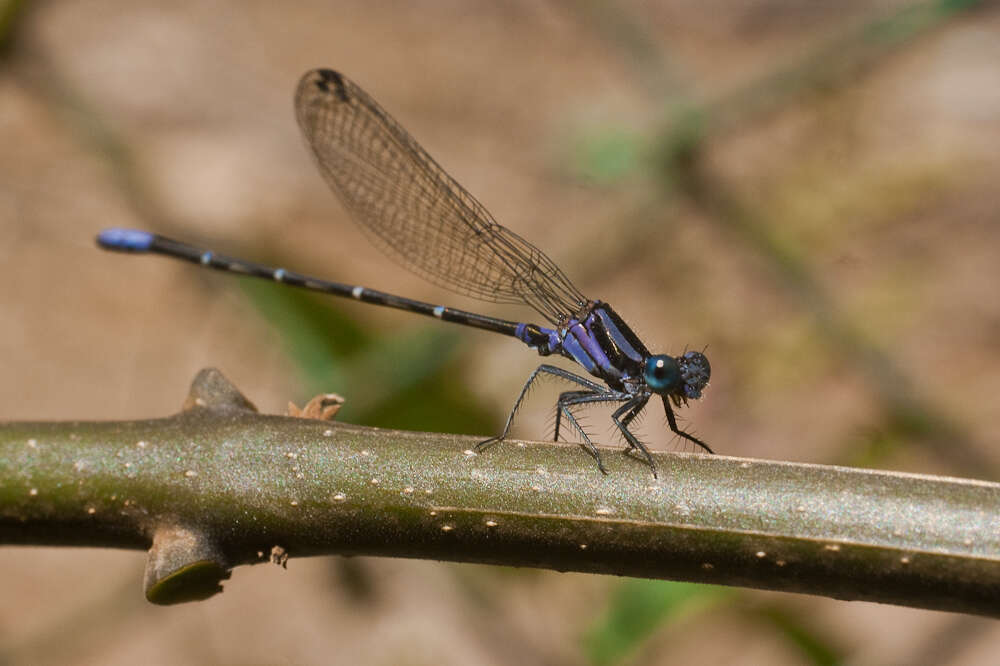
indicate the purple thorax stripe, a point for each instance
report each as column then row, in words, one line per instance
column 577, row 348
column 583, row 346
column 577, row 341
column 615, row 334
column 589, row 342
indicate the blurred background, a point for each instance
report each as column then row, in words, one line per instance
column 809, row 190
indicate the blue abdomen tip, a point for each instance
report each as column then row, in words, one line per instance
column 127, row 240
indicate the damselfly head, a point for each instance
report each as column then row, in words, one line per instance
column 695, row 373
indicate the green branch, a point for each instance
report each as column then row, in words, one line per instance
column 220, row 485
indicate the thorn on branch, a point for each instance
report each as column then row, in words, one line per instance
column 183, row 565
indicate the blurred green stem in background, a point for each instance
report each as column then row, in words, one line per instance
column 638, row 608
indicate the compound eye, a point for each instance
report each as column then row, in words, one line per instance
column 662, row 374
